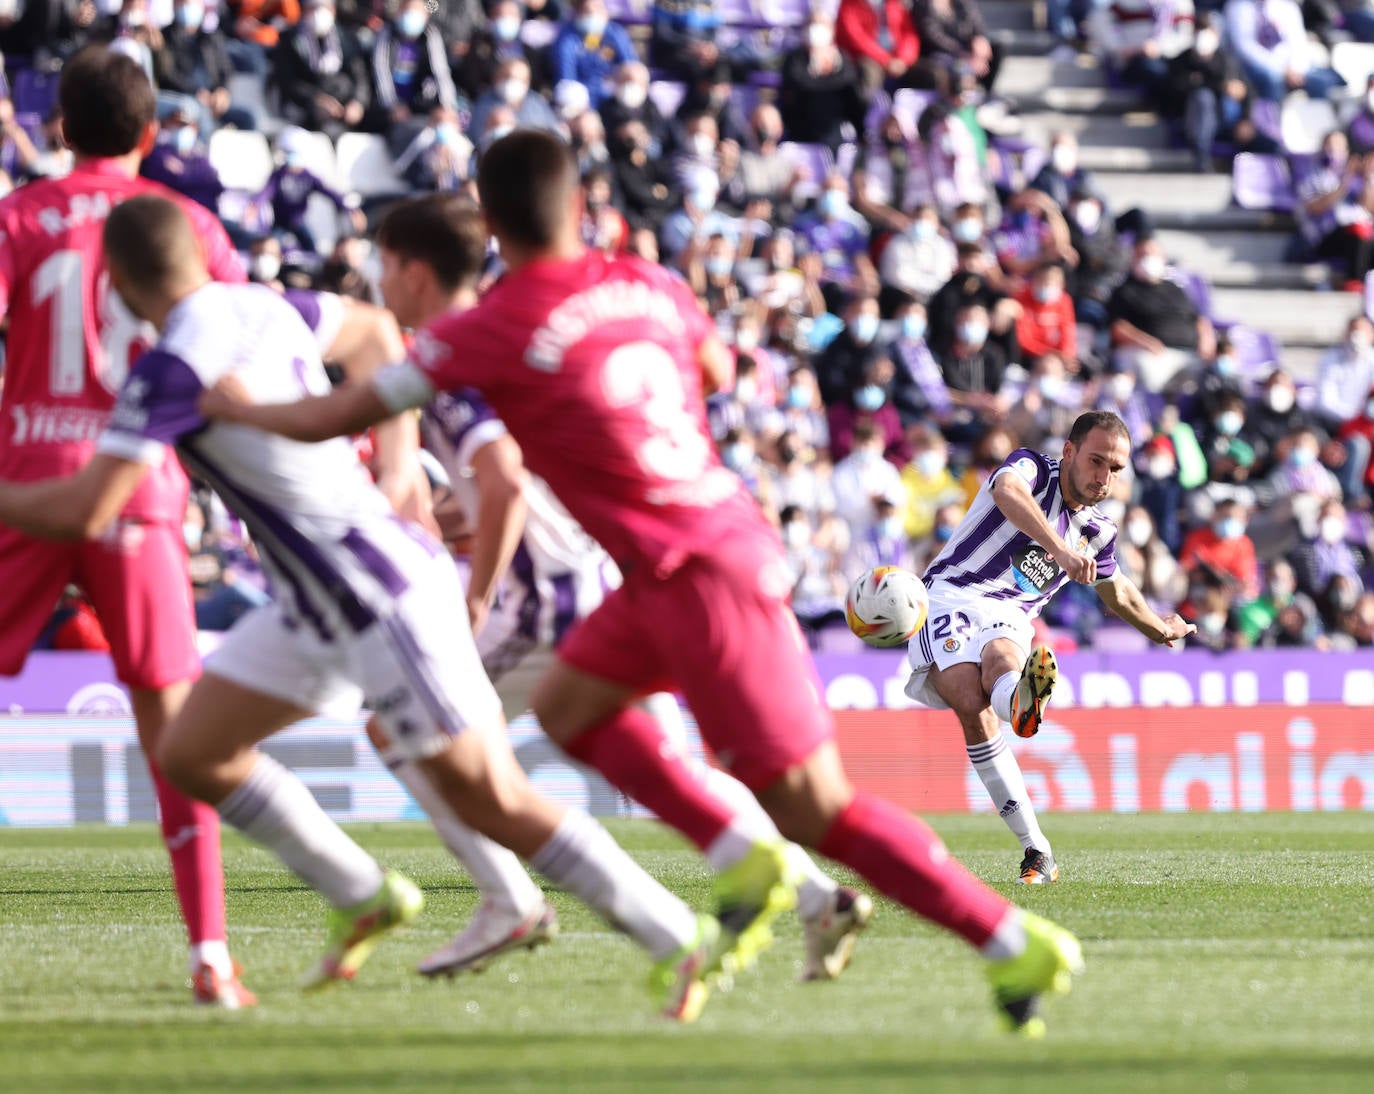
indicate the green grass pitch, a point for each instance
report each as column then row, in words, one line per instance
column 1225, row 953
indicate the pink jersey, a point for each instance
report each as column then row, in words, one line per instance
column 71, row 341
column 593, row 366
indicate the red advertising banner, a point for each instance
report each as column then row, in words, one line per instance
column 1221, row 759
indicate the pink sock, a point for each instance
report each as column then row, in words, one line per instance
column 630, row 749
column 900, row 856
column 190, row 829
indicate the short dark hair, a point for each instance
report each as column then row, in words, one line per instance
column 150, row 240
column 107, row 102
column 444, row 231
column 1097, row 419
column 524, row 181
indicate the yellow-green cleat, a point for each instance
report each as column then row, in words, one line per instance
column 750, row 895
column 678, row 982
column 1050, row 961
column 354, row 932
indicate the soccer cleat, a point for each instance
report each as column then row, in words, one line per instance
column 354, row 932
column 749, row 896
column 830, row 936
column 491, row 933
column 1033, row 690
column 211, row 988
column 1050, row 961
column 1038, row 868
column 678, row 982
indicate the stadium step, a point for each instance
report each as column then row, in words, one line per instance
column 1293, row 317
column 1101, row 158
column 1024, row 43
column 1167, row 193
column 1109, row 101
column 1135, row 129
column 1238, row 259
column 1010, row 15
column 1027, row 76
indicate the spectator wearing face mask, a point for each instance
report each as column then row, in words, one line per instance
column 1211, row 605
column 290, row 187
column 951, row 167
column 1153, row 323
column 494, row 42
column 589, row 47
column 869, row 402
column 630, row 103
column 179, row 161
column 1327, row 552
column 819, row 91
column 512, row 89
column 1156, row 470
column 887, row 176
column 1048, row 404
column 863, row 477
column 1199, row 388
column 1223, row 548
column 1146, row 560
column 974, row 368
column 713, row 94
column 929, row 484
column 954, row 39
column 977, row 280
column 193, row 61
column 1361, row 428
column 815, row 561
column 1204, row 90
column 440, row 156
column 738, row 451
column 1258, row 618
column 1345, row 375
column 1337, row 601
column 1138, row 37
column 698, row 219
column 883, row 543
column 920, row 259
column 1047, row 323
column 410, row 71
column 1226, row 443
column 644, row 180
column 797, row 483
column 1357, row 625
column 709, row 266
column 1270, row 40
column 1296, row 471
column 322, row 73
column 839, row 235
column 1062, row 177
column 1331, row 217
column 918, row 387
column 802, row 411
column 841, row 365
column 264, row 262
column 1032, row 233
column 1119, row 393
column 881, row 39
column 764, row 175
column 1274, row 416
column 1102, row 261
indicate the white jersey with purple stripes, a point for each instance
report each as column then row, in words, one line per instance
column 363, row 601
column 988, row 556
column 559, row 573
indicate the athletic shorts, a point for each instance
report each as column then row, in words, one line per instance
column 136, row 580
column 416, row 669
column 718, row 630
column 956, row 629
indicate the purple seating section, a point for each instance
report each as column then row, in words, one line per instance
column 1263, row 183
column 743, row 14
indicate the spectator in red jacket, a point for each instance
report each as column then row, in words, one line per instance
column 881, row 37
column 1222, row 548
column 1047, row 323
column 1362, row 426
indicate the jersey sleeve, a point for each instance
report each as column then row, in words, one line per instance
column 323, row 313
column 7, row 272
column 480, row 429
column 221, row 259
column 1106, row 560
column 1028, row 465
column 156, row 407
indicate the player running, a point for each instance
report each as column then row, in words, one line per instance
column 1032, row 528
column 364, row 601
column 552, row 574
column 597, row 365
column 70, row 345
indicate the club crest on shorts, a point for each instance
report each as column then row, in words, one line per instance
column 952, row 645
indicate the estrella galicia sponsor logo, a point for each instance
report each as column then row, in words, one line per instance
column 1033, row 569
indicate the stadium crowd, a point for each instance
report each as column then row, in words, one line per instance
column 910, row 294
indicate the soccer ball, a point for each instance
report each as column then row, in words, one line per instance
column 886, row 606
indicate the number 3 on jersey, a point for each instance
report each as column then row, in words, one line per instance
column 61, row 279
column 644, row 374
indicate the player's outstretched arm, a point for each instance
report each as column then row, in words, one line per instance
column 1125, row 600
column 80, row 506
column 499, row 469
column 1014, row 498
column 346, row 410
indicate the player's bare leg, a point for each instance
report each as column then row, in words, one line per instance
column 480, row 780
column 814, row 803
column 513, row 913
column 965, row 689
column 208, row 752
column 594, row 721
column 190, row 830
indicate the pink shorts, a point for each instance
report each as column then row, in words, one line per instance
column 136, row 580
column 719, row 630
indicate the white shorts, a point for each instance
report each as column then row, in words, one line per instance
column 417, row 668
column 957, row 628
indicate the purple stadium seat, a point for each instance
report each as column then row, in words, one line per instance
column 34, row 92
column 630, row 12
column 1267, row 119
column 1257, row 351
column 1262, row 182
column 879, row 106
column 763, row 14
column 1369, row 294
column 667, row 96
column 909, row 104
column 814, row 159
column 1197, row 288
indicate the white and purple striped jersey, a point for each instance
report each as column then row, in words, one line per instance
column 335, row 553
column 989, row 556
column 561, row 573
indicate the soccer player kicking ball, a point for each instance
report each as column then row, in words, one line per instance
column 69, row 347
column 365, row 601
column 595, row 364
column 432, row 252
column 1031, row 529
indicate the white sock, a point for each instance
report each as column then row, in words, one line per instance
column 1002, row 694
column 816, row 887
column 582, row 857
column 1001, row 774
column 497, row 872
column 1008, row 940
column 273, row 807
column 214, row 954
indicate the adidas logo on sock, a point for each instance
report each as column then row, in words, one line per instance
column 1011, row 807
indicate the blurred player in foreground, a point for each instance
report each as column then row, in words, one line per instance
column 1032, row 529
column 69, row 348
column 365, row 600
column 552, row 574
column 597, row 364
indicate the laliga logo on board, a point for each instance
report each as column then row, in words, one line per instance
column 100, row 701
